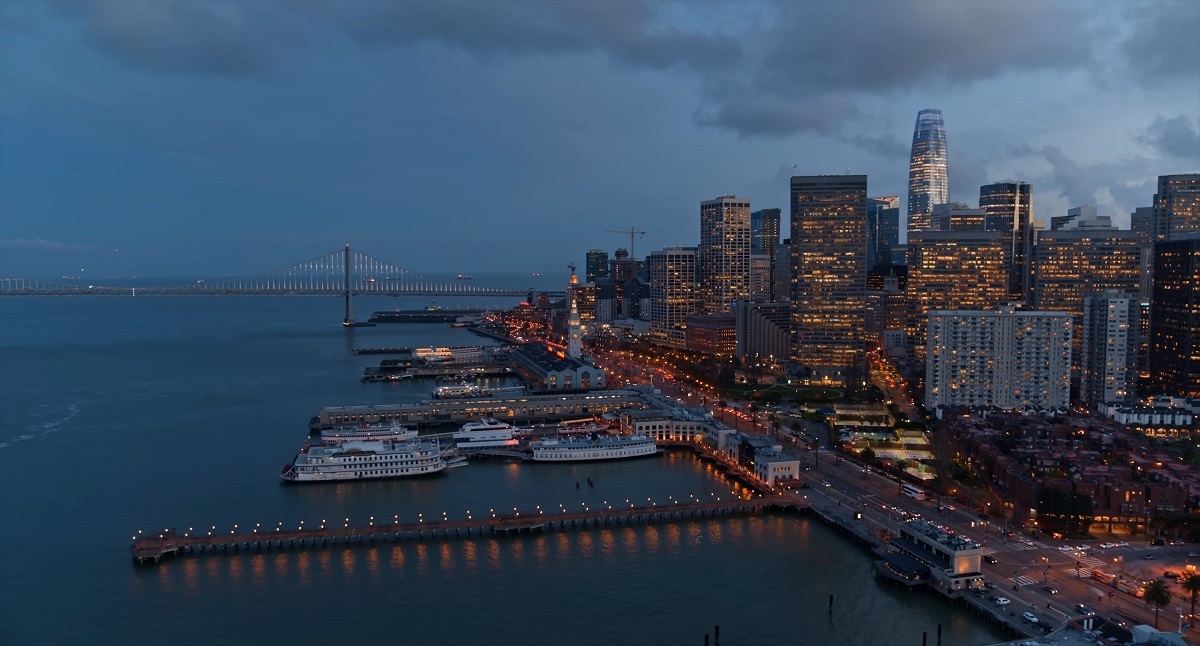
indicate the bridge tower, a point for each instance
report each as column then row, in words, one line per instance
column 349, row 321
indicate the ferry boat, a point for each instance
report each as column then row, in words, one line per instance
column 595, row 447
column 368, row 433
column 486, row 433
column 368, row 461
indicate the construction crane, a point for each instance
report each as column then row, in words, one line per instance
column 632, row 231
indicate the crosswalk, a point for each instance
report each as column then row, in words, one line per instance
column 1022, row 580
column 1081, row 573
column 1091, row 561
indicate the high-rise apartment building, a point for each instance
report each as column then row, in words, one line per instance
column 762, row 330
column 1005, row 358
column 781, row 272
column 883, row 229
column 928, row 170
column 764, row 238
column 1176, row 206
column 1142, row 223
column 724, row 253
column 829, row 274
column 1175, row 317
column 1009, row 208
column 1109, row 348
column 672, row 294
column 597, row 265
column 954, row 270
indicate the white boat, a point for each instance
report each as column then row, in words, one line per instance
column 368, row 460
column 368, row 433
column 486, row 433
column 595, row 447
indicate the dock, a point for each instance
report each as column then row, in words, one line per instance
column 153, row 548
column 423, row 316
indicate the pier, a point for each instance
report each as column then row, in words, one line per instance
column 153, row 548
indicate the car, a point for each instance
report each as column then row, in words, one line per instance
column 1084, row 610
column 1148, row 557
column 1175, row 541
column 1051, row 589
column 1193, row 555
column 1171, row 575
column 1107, row 546
column 1121, row 544
column 1029, row 616
column 990, row 559
column 1066, row 548
column 1083, row 548
column 1158, row 541
column 989, row 585
column 1001, row 601
column 826, row 483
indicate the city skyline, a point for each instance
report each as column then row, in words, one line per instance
column 197, row 139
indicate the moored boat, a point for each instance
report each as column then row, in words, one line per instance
column 486, row 433
column 368, row 433
column 594, row 447
column 368, row 460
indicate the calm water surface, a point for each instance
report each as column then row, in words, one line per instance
column 120, row 414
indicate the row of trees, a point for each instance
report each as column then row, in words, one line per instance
column 1158, row 594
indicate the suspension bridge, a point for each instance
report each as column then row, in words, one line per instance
column 344, row 272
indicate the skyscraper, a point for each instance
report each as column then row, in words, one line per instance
column 928, row 170
column 597, row 265
column 1108, row 365
column 672, row 293
column 1009, row 209
column 883, row 229
column 1176, row 206
column 764, row 238
column 760, row 277
column 951, row 270
column 1142, row 223
column 724, row 254
column 1175, row 318
column 829, row 274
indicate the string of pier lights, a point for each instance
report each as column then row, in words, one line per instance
column 420, row 516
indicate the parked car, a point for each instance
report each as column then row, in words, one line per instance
column 1175, row 541
column 1029, row 616
column 1001, row 601
column 1051, row 589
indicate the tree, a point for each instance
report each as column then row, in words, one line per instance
column 1191, row 583
column 868, row 455
column 1157, row 595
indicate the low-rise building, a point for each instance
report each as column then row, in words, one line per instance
column 551, row 372
column 953, row 560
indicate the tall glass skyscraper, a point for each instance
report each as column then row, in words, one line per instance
column 928, row 170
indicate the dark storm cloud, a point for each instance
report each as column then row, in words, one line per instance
column 1175, row 137
column 1078, row 181
column 887, row 146
column 204, row 38
column 772, row 117
column 1163, row 44
column 625, row 31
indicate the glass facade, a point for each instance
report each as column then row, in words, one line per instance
column 724, row 253
column 928, row 170
column 597, row 265
column 1008, row 208
column 883, row 229
column 1175, row 318
column 829, row 273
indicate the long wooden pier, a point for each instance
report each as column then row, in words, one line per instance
column 152, row 548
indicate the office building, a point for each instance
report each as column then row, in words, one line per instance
column 928, row 170
column 1080, row 218
column 829, row 274
column 887, row 309
column 1004, row 358
column 1009, row 208
column 760, row 277
column 714, row 334
column 764, row 238
column 597, row 265
column 1068, row 264
column 1142, row 223
column 1175, row 318
column 1177, row 206
column 957, row 216
column 724, row 253
column 883, row 229
column 672, row 294
column 954, row 270
column 1109, row 348
column 781, row 272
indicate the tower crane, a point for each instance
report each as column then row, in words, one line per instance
column 632, row 231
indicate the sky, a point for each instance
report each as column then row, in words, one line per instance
column 230, row 137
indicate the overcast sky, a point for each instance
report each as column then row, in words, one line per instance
column 225, row 137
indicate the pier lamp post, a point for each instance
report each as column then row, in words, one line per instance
column 396, row 519
column 372, row 521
